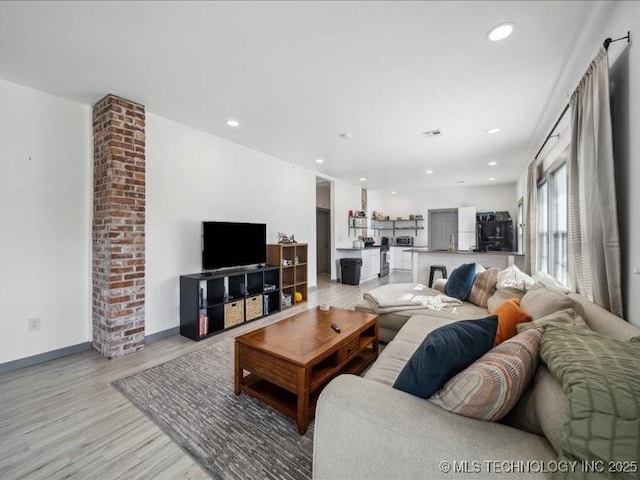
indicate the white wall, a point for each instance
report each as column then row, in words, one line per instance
column 194, row 176
column 45, row 211
column 491, row 198
column 624, row 61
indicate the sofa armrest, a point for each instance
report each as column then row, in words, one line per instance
column 364, row 429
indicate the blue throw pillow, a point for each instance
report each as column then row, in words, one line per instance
column 461, row 280
column 444, row 353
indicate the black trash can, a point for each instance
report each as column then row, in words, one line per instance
column 350, row 270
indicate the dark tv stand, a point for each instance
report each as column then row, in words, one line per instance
column 230, row 297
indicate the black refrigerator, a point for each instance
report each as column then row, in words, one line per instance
column 495, row 235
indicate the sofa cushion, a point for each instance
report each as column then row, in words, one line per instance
column 397, row 353
column 500, row 296
column 509, row 315
column 460, row 281
column 539, row 301
column 484, row 285
column 512, row 277
column 551, row 406
column 492, row 385
column 445, row 352
column 566, row 317
column 600, row 376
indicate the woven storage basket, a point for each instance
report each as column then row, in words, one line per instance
column 254, row 307
column 233, row 313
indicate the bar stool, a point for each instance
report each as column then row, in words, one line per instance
column 436, row 268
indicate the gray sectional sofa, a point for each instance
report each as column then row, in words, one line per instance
column 366, row 429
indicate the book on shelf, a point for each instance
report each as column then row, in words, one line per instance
column 203, row 325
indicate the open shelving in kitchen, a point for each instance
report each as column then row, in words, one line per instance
column 399, row 224
column 357, row 225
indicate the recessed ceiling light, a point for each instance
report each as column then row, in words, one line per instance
column 500, row 32
column 428, row 172
column 319, row 160
column 493, row 130
column 232, row 123
column 460, row 181
column 362, row 179
column 393, row 193
column 345, row 136
column 491, row 164
column 491, row 179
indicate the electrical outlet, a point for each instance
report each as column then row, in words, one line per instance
column 34, row 324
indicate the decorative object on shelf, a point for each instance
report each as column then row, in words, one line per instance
column 452, row 243
column 297, row 297
column 286, row 299
column 418, row 217
column 284, row 238
column 296, row 260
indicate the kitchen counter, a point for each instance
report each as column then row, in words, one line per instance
column 358, row 248
column 461, row 252
column 423, row 258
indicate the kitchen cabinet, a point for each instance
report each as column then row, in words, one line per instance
column 400, row 260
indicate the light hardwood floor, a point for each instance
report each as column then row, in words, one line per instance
column 63, row 419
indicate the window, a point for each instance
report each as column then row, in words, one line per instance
column 552, row 225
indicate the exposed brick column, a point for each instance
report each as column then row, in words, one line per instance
column 118, row 226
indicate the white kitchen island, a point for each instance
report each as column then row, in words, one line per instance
column 423, row 258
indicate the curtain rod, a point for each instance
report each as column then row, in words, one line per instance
column 605, row 44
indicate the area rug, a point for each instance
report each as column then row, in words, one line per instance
column 191, row 399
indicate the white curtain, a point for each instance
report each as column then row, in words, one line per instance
column 594, row 247
column 530, row 220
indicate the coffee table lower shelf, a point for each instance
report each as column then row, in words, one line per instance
column 285, row 401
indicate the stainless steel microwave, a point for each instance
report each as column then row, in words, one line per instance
column 404, row 240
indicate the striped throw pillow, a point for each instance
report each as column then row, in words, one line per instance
column 483, row 287
column 493, row 384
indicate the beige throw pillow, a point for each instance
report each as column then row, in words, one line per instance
column 500, row 296
column 540, row 302
column 483, row 287
column 492, row 385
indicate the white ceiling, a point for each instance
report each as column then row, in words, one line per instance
column 297, row 74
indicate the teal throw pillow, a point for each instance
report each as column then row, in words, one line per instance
column 461, row 280
column 445, row 352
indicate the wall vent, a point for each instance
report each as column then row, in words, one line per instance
column 431, row 133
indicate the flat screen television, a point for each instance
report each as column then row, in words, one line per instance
column 230, row 244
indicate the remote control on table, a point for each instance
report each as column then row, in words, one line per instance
column 335, row 327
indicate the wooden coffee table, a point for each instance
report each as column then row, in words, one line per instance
column 290, row 361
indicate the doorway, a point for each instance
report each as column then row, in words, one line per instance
column 323, row 239
column 323, row 226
